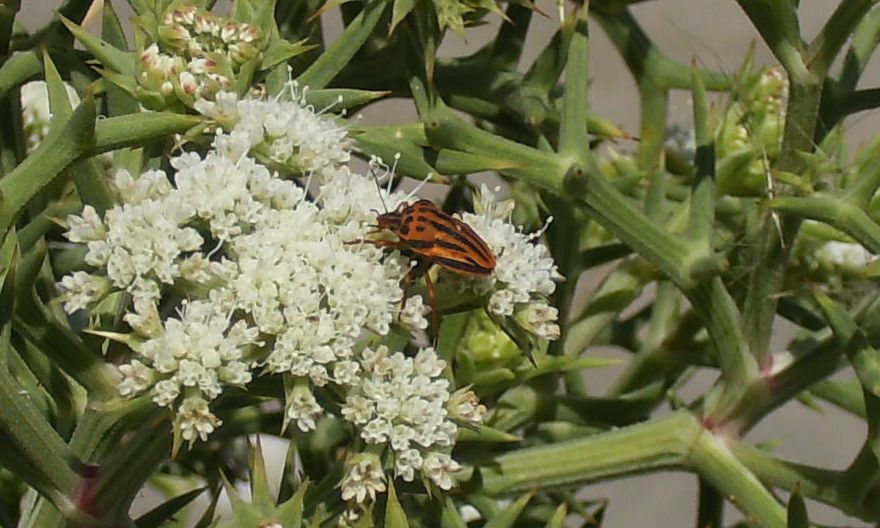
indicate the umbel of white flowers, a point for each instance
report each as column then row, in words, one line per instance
column 269, row 272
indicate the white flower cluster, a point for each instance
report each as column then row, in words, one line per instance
column 525, row 274
column 402, row 402
column 35, row 112
column 286, row 131
column 274, row 281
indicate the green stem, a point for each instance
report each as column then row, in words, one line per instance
column 835, row 33
column 573, row 140
column 817, row 484
column 658, row 444
column 777, row 22
column 719, row 467
column 711, row 507
column 774, row 242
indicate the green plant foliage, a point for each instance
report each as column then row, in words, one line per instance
column 191, row 261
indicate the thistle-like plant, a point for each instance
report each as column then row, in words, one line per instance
column 185, row 262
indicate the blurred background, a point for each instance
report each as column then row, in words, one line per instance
column 718, row 35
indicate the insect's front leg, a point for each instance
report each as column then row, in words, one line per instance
column 394, row 244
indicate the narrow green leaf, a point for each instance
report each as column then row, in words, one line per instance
column 137, row 129
column 31, row 447
column 842, row 215
column 19, row 68
column 92, row 186
column 166, row 511
column 63, row 145
column 558, row 519
column 111, row 28
column 207, row 518
column 485, row 434
column 550, row 364
column 399, row 11
column 338, row 55
column 261, row 495
column 342, row 98
column 395, row 517
column 702, row 206
column 413, row 161
column 449, row 516
column 456, row 162
column 797, row 511
column 507, row 518
column 280, row 51
column 864, row 358
column 109, row 56
column 291, row 512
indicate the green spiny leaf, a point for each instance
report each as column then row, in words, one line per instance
column 507, row 518
column 111, row 57
column 395, row 517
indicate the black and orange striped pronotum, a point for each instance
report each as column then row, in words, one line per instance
column 430, row 236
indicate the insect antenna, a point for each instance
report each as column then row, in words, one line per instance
column 375, row 161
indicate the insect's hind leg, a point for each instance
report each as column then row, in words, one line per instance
column 435, row 316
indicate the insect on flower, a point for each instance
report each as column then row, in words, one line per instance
column 430, row 236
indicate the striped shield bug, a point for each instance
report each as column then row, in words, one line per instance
column 430, row 236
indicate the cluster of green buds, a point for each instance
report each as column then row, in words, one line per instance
column 749, row 133
column 188, row 54
column 197, row 54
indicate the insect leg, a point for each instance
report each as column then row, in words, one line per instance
column 378, row 243
column 407, row 280
column 435, row 325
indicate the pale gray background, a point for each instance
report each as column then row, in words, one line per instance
column 718, row 33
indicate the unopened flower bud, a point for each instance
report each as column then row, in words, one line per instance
column 465, row 406
column 539, row 319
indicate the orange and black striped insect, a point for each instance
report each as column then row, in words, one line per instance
column 430, row 236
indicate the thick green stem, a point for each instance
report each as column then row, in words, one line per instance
column 724, row 471
column 663, row 443
column 573, row 140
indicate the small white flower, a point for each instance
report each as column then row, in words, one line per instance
column 363, row 479
column 438, row 467
column 85, row 227
column 194, row 420
column 136, row 378
column 80, row 289
column 413, row 314
column 464, row 405
column 302, row 408
column 406, row 463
